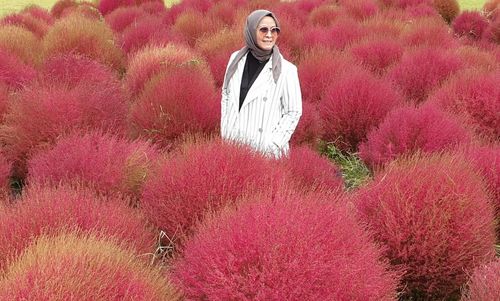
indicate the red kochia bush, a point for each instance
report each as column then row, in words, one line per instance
column 421, row 71
column 77, row 34
column 407, row 130
column 284, row 248
column 13, row 72
column 5, row 167
column 311, row 172
column 448, row 9
column 377, row 54
column 78, row 94
column 75, row 266
column 319, row 68
column 181, row 101
column 309, row 130
column 21, row 43
column 107, row 6
column 359, row 9
column 5, row 95
column 151, row 61
column 433, row 215
column 203, row 175
column 27, row 21
column 470, row 25
column 484, row 283
column 192, row 25
column 324, row 15
column 44, row 210
column 431, row 32
column 474, row 96
column 353, row 105
column 106, row 163
column 122, row 17
column 144, row 31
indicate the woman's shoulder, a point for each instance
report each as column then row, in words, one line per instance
column 286, row 64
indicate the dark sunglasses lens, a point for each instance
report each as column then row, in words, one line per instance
column 265, row 30
column 275, row 30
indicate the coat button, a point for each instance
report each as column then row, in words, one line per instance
column 264, row 99
column 260, row 130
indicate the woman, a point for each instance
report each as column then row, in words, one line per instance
column 261, row 98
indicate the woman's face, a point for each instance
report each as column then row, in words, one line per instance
column 267, row 33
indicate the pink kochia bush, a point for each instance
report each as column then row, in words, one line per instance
column 484, row 283
column 122, row 17
column 377, row 54
column 148, row 30
column 433, row 215
column 181, row 101
column 73, row 93
column 13, row 72
column 200, row 176
column 5, row 167
column 75, row 266
column 46, row 210
column 421, row 71
column 474, row 96
column 104, row 162
column 284, row 248
column 353, row 105
column 470, row 25
column 311, row 172
column 408, row 130
column 309, row 130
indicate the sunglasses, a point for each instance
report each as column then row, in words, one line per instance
column 274, row 30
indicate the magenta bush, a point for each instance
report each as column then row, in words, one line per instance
column 13, row 72
column 428, row 32
column 484, row 283
column 421, row 71
column 324, row 15
column 5, row 167
column 107, row 6
column 83, row 266
column 106, row 163
column 284, row 248
column 359, row 9
column 344, row 32
column 309, row 171
column 39, row 13
column 474, row 96
column 377, row 54
column 37, row 26
column 353, row 105
column 433, row 216
column 408, row 130
column 180, row 101
column 310, row 129
column 470, row 25
column 202, row 176
column 122, row 17
column 144, row 31
column 44, row 210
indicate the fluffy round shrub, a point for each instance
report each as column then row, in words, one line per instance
column 13, row 72
column 106, row 163
column 85, row 9
column 284, row 247
column 151, row 61
column 21, row 43
column 377, row 54
column 324, row 15
column 192, row 25
column 404, row 3
column 484, row 283
column 408, row 130
column 434, row 218
column 108, row 6
column 309, row 130
column 5, row 167
column 344, row 32
column 383, row 27
column 77, row 34
column 217, row 48
column 470, row 25
column 353, row 105
column 202, row 176
column 430, row 32
column 319, row 68
column 35, row 25
column 310, row 171
column 448, row 9
column 39, row 13
column 473, row 57
column 421, row 71
column 75, row 266
column 5, row 95
column 47, row 210
column 77, row 101
column 474, row 96
column 122, row 17
column 359, row 9
column 180, row 101
column 144, row 31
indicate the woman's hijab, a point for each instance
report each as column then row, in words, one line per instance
column 250, row 34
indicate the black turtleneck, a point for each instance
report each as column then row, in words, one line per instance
column 252, row 69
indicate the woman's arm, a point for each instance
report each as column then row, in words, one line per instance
column 291, row 101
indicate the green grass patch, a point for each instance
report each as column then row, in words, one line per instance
column 354, row 172
column 471, row 4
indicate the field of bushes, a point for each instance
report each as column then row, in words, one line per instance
column 115, row 184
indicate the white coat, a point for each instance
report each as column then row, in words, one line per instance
column 270, row 112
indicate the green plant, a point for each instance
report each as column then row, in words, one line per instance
column 354, row 171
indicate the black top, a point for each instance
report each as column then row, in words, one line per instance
column 252, row 69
